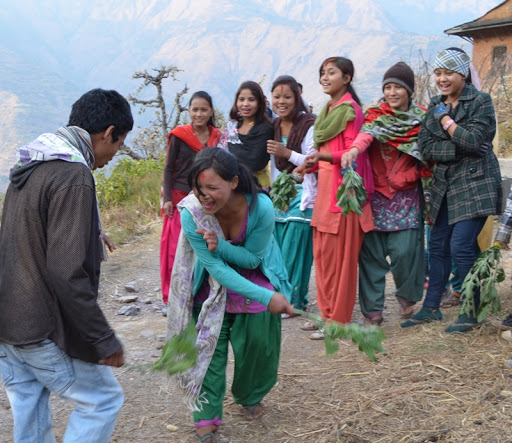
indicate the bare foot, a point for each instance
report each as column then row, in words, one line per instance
column 406, row 311
column 253, row 412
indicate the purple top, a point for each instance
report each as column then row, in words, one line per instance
column 236, row 303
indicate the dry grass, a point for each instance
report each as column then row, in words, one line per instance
column 430, row 386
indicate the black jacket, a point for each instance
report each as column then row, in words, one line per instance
column 50, row 263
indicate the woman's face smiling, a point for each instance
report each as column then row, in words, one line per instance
column 212, row 191
column 247, row 104
column 396, row 96
column 283, row 101
column 334, row 82
column 450, row 83
column 200, row 112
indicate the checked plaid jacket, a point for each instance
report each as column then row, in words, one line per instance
column 470, row 182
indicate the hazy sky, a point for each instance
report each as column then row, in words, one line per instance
column 434, row 16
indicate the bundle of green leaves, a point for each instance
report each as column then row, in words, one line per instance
column 485, row 274
column 351, row 194
column 179, row 352
column 283, row 191
column 368, row 339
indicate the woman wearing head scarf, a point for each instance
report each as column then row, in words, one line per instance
column 466, row 188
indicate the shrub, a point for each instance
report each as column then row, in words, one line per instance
column 129, row 197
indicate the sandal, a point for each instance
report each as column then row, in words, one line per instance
column 204, row 437
column 318, row 335
column 208, row 436
column 424, row 315
column 375, row 320
column 406, row 308
column 452, row 299
column 309, row 326
column 253, row 412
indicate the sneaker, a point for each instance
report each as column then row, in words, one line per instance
column 463, row 323
column 424, row 315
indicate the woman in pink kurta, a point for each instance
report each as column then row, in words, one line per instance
column 337, row 238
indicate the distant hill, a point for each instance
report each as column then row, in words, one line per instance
column 53, row 51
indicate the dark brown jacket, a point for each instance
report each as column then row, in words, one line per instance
column 50, row 263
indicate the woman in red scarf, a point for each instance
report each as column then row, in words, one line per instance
column 183, row 143
column 389, row 134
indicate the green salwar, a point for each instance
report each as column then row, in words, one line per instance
column 256, row 343
column 406, row 253
column 294, row 235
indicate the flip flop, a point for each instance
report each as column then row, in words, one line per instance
column 309, row 326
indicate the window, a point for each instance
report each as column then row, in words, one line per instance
column 499, row 53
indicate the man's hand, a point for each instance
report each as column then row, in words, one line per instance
column 115, row 360
column 210, row 238
column 110, row 244
column 279, row 304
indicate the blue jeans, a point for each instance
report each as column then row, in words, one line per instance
column 31, row 372
column 447, row 242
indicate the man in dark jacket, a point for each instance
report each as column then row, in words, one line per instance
column 53, row 335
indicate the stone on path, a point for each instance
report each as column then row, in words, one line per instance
column 128, row 298
column 132, row 287
column 129, row 310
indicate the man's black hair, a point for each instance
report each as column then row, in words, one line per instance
column 98, row 109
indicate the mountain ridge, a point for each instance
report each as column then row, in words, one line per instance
column 63, row 50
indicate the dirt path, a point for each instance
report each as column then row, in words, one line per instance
column 428, row 387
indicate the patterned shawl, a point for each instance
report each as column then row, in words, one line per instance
column 299, row 130
column 181, row 299
column 397, row 128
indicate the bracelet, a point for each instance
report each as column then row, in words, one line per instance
column 448, row 124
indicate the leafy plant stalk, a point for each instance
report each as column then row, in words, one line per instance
column 283, row 191
column 351, row 194
column 179, row 352
column 484, row 275
column 369, row 340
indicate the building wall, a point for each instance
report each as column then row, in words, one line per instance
column 496, row 77
column 483, row 46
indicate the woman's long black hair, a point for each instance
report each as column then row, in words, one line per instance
column 261, row 114
column 346, row 66
column 227, row 166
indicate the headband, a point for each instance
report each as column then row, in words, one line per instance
column 453, row 60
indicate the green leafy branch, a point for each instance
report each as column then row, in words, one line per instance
column 283, row 191
column 485, row 274
column 179, row 352
column 351, row 194
column 368, row 339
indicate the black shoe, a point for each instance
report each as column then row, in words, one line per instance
column 508, row 321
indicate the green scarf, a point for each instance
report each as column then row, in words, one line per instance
column 329, row 124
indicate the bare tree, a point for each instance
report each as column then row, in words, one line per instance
column 151, row 141
column 424, row 88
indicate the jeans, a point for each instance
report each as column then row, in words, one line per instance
column 447, row 242
column 31, row 372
